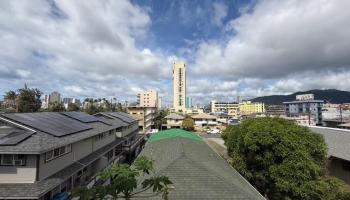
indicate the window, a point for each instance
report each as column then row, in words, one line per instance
column 13, row 160
column 7, row 159
column 50, row 155
column 109, row 155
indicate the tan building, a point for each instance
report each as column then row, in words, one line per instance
column 179, row 87
column 204, row 120
column 174, row 120
column 144, row 115
column 148, row 98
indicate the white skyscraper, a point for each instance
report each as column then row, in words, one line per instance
column 179, row 87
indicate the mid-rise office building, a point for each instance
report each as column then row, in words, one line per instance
column 229, row 108
column 45, row 154
column 179, row 87
column 305, row 105
column 274, row 110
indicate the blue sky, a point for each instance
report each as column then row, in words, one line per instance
column 116, row 48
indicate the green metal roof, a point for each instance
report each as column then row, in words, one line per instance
column 172, row 133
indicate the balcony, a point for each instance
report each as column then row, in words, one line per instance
column 132, row 146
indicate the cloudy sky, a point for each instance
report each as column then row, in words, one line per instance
column 101, row 48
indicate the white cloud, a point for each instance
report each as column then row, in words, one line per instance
column 75, row 43
column 220, row 12
column 279, row 38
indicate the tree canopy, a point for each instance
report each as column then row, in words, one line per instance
column 124, row 182
column 73, row 107
column 281, row 159
column 188, row 124
column 24, row 99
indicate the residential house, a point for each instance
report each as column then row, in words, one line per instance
column 174, row 120
column 203, row 120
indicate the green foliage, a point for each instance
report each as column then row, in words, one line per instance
column 281, row 159
column 124, row 182
column 28, row 100
column 73, row 107
column 56, row 107
column 159, row 118
column 188, row 124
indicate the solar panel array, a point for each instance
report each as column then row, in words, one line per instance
column 49, row 122
column 83, row 117
column 15, row 136
column 122, row 117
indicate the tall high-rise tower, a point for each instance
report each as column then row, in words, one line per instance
column 179, row 86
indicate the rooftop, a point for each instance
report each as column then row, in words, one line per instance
column 34, row 133
column 203, row 116
column 196, row 171
column 338, row 141
column 174, row 116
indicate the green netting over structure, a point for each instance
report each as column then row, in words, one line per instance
column 172, row 133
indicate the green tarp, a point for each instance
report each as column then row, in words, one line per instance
column 171, row 133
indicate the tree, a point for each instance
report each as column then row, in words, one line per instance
column 281, row 159
column 72, row 107
column 91, row 109
column 159, row 118
column 188, row 124
column 29, row 99
column 124, row 182
column 56, row 107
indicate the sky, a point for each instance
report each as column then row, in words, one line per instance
column 116, row 48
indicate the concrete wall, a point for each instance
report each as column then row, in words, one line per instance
column 336, row 168
column 19, row 174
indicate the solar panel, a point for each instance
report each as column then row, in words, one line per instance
column 122, row 117
column 83, row 117
column 49, row 122
column 15, row 136
column 126, row 115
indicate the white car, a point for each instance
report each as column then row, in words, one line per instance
column 214, row 131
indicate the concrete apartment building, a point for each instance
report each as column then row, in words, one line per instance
column 149, row 98
column 144, row 115
column 54, row 97
column 45, row 154
column 248, row 108
column 229, row 108
column 179, row 87
column 305, row 104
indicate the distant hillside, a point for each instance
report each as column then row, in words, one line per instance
column 330, row 95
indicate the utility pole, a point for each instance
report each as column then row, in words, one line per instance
column 341, row 113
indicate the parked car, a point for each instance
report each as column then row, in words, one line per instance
column 213, row 131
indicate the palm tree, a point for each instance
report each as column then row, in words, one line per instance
column 10, row 98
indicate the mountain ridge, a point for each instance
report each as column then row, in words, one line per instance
column 329, row 95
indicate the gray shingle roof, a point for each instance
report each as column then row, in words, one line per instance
column 197, row 171
column 338, row 141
